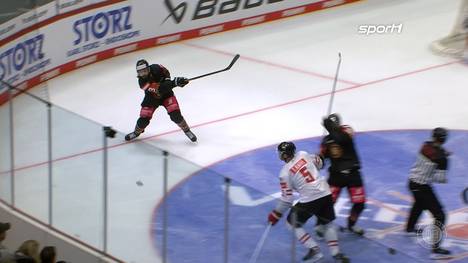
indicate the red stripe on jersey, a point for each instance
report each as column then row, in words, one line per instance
column 333, row 243
column 146, row 86
column 298, row 166
column 304, row 238
column 357, row 194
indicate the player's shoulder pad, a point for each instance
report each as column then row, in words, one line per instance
column 428, row 150
column 156, row 67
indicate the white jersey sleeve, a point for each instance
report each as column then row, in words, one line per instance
column 302, row 175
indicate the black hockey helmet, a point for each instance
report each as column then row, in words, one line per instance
column 440, row 134
column 335, row 118
column 142, row 68
column 286, row 150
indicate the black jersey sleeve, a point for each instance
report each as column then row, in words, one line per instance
column 159, row 73
column 166, row 86
column 141, row 83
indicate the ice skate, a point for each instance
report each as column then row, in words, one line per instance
column 313, row 255
column 340, row 257
column 440, row 253
column 191, row 135
column 356, row 230
column 131, row 136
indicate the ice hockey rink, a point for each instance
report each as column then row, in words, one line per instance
column 391, row 89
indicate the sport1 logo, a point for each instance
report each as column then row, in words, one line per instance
column 208, row 8
column 99, row 25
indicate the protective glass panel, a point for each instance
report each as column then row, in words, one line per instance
column 135, row 187
column 77, row 176
column 5, row 152
column 31, row 148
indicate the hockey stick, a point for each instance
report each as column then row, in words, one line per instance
column 330, row 103
column 218, row 71
column 260, row 243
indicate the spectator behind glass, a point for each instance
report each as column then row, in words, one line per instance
column 5, row 254
column 48, row 255
column 28, row 252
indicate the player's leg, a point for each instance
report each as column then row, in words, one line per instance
column 173, row 109
column 417, row 208
column 358, row 198
column 326, row 214
column 297, row 217
column 335, row 193
column 146, row 113
column 434, row 206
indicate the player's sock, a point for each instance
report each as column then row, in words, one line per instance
column 305, row 238
column 332, row 239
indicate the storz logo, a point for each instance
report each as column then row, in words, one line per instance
column 25, row 57
column 99, row 25
column 114, row 26
column 208, row 8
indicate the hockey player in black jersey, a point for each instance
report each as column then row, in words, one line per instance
column 344, row 171
column 430, row 166
column 155, row 81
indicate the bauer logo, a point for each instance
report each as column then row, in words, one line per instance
column 25, row 57
column 208, row 8
column 380, row 29
column 103, row 28
column 174, row 11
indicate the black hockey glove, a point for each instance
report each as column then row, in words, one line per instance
column 180, row 81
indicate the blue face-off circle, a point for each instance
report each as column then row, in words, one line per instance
column 196, row 208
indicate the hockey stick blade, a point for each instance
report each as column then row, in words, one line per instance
column 218, row 71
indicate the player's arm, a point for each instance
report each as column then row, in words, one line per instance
column 323, row 152
column 317, row 160
column 165, row 72
column 176, row 82
column 284, row 203
column 439, row 159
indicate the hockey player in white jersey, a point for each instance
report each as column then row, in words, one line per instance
column 300, row 173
